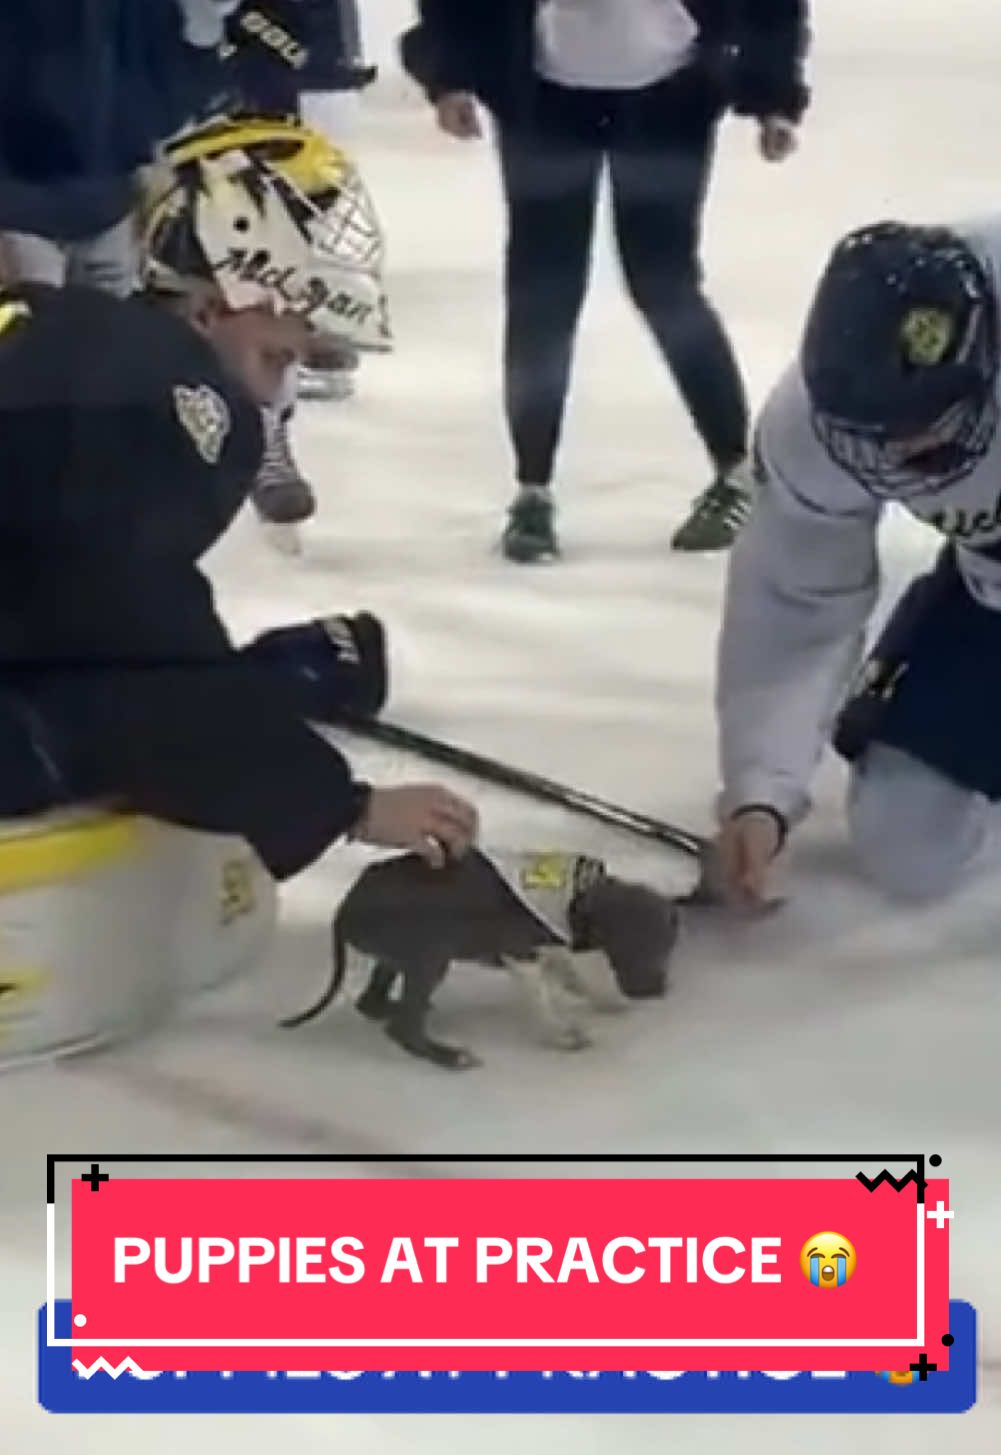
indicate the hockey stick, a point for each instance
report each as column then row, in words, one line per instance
column 520, row 781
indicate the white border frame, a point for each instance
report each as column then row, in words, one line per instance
column 118, row 1342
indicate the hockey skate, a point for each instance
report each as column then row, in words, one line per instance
column 330, row 372
column 529, row 534
column 282, row 498
column 719, row 514
column 327, row 386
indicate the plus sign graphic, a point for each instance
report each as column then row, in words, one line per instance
column 923, row 1368
column 940, row 1214
column 94, row 1177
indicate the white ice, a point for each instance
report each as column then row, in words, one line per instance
column 840, row 1024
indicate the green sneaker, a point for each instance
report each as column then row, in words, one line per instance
column 529, row 534
column 718, row 515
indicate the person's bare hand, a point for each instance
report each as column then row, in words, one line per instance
column 747, row 848
column 777, row 138
column 424, row 818
column 459, row 116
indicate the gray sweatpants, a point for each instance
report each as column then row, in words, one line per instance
column 106, row 261
column 918, row 835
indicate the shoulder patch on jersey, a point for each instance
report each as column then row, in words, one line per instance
column 12, row 311
column 205, row 415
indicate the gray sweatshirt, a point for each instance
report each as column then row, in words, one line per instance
column 205, row 20
column 803, row 581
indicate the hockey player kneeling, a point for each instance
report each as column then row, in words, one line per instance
column 564, row 928
column 894, row 399
column 131, row 435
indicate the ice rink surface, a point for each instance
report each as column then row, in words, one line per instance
column 840, row 1024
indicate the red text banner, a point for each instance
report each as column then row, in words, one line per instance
column 657, row 1274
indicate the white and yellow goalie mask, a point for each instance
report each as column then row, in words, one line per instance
column 271, row 213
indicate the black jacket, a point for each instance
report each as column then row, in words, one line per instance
column 753, row 49
column 127, row 452
column 88, row 88
column 277, row 49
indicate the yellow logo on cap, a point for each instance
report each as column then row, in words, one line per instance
column 926, row 335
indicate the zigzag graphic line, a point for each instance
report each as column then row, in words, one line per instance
column 101, row 1366
column 897, row 1183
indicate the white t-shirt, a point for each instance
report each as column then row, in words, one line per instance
column 616, row 45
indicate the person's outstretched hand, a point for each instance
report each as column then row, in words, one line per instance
column 748, row 847
column 424, row 818
column 459, row 115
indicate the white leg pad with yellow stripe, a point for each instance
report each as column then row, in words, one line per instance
column 108, row 921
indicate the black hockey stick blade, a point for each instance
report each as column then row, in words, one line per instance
column 531, row 784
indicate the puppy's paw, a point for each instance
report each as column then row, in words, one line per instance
column 376, row 1007
column 452, row 1058
column 569, row 1038
column 460, row 1059
column 611, row 1002
column 589, row 975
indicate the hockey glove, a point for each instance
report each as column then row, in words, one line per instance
column 338, row 663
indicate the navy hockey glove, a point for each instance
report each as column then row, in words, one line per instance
column 338, row 663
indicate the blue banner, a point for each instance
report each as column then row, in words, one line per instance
column 62, row 1389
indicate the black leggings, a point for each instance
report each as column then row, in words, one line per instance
column 659, row 144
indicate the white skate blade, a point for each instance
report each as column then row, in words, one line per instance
column 285, row 539
column 325, row 393
column 326, row 386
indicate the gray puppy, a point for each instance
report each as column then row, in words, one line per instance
column 415, row 920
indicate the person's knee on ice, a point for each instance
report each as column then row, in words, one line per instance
column 917, row 836
column 835, row 446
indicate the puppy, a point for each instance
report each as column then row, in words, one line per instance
column 414, row 921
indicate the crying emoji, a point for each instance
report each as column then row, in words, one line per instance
column 827, row 1260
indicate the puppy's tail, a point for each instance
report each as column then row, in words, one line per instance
column 333, row 988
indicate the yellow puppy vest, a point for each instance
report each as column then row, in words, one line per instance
column 547, row 884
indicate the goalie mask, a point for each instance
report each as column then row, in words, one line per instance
column 270, row 213
column 900, row 359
